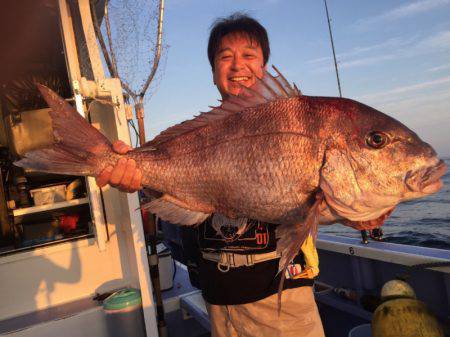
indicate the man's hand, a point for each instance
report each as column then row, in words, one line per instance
column 124, row 175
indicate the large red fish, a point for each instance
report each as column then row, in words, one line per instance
column 270, row 154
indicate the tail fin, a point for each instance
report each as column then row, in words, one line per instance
column 78, row 148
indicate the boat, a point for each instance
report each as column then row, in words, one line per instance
column 71, row 245
column 347, row 290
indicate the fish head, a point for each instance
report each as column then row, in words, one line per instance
column 373, row 162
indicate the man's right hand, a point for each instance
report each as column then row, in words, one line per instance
column 124, row 175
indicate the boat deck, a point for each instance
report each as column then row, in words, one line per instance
column 344, row 263
column 184, row 307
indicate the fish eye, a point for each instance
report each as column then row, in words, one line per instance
column 377, row 139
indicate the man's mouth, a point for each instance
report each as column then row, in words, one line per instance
column 239, row 78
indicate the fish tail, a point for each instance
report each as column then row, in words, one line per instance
column 78, row 148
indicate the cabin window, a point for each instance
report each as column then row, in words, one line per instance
column 36, row 209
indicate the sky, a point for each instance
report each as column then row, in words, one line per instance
column 392, row 55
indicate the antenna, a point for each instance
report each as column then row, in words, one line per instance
column 332, row 47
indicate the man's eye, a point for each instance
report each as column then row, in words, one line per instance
column 225, row 57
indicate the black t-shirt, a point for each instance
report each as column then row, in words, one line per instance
column 243, row 284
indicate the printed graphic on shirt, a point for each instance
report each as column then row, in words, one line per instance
column 236, row 235
column 229, row 229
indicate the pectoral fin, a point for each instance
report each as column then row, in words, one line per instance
column 291, row 238
column 175, row 211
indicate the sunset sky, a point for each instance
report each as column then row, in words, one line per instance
column 393, row 55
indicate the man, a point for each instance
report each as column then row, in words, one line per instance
column 238, row 270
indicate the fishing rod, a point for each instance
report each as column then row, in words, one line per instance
column 376, row 234
column 332, row 47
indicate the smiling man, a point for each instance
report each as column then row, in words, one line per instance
column 236, row 63
column 238, row 269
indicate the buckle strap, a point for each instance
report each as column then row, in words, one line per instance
column 227, row 260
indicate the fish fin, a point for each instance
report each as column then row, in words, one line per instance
column 280, row 290
column 291, row 238
column 268, row 88
column 57, row 160
column 286, row 85
column 175, row 211
column 77, row 145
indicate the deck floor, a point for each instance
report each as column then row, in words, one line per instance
column 179, row 323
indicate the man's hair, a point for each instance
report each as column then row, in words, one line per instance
column 241, row 24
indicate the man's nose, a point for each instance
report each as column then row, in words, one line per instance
column 238, row 63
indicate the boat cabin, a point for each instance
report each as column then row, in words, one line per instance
column 62, row 239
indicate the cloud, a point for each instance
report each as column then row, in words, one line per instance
column 439, row 100
column 392, row 49
column 400, row 12
column 358, row 50
column 439, row 41
column 439, row 68
column 365, row 61
column 388, row 94
column 319, row 60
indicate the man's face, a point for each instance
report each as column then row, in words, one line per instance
column 236, row 63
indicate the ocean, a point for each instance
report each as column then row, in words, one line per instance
column 423, row 222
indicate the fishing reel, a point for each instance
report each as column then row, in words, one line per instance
column 375, row 234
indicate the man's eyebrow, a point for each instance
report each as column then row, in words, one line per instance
column 229, row 49
column 223, row 49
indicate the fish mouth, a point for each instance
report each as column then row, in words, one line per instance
column 426, row 180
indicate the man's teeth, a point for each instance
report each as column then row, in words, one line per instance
column 239, row 78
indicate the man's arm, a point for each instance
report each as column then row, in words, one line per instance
column 124, row 175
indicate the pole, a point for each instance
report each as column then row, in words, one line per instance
column 332, row 47
column 139, row 110
column 150, row 226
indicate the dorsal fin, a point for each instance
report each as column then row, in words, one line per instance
column 268, row 88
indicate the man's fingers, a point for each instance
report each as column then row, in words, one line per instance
column 136, row 181
column 121, row 147
column 103, row 178
column 118, row 172
column 127, row 177
column 124, row 175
